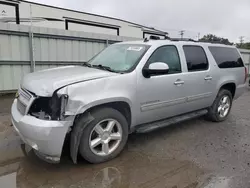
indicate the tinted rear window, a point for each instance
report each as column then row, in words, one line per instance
column 226, row 57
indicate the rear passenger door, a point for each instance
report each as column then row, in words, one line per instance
column 199, row 81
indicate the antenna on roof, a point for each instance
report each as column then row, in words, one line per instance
column 183, row 39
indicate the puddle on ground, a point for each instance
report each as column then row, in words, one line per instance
column 129, row 170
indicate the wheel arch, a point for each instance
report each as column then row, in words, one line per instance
column 230, row 86
column 123, row 106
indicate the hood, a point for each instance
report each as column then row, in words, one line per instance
column 44, row 83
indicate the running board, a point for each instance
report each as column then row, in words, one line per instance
column 166, row 122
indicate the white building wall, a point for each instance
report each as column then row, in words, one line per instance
column 91, row 29
column 126, row 29
column 131, row 31
column 47, row 24
column 6, row 10
column 42, row 11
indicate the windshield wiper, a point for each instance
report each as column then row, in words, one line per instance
column 99, row 67
column 86, row 64
column 104, row 68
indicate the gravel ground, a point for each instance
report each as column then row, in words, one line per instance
column 192, row 154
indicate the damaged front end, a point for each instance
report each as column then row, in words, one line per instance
column 41, row 122
column 49, row 108
column 53, row 109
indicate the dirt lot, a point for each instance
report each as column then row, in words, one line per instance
column 193, row 154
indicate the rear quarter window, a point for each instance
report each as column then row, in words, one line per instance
column 226, row 57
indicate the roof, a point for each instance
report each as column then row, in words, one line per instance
column 169, row 42
column 118, row 19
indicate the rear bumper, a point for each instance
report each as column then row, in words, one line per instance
column 45, row 137
column 240, row 90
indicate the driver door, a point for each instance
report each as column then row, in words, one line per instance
column 161, row 96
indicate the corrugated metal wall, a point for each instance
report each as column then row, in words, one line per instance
column 58, row 50
column 246, row 58
column 51, row 48
column 13, row 48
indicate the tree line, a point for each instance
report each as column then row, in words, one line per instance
column 215, row 39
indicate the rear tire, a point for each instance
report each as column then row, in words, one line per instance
column 221, row 107
column 105, row 137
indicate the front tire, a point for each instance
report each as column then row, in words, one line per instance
column 105, row 137
column 221, row 107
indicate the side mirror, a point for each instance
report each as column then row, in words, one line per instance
column 154, row 69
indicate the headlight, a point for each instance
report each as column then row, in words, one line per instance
column 58, row 105
column 17, row 94
column 40, row 108
column 49, row 108
column 64, row 101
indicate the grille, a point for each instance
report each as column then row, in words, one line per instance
column 21, row 107
column 22, row 104
column 25, row 94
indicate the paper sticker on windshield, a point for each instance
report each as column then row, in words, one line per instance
column 135, row 48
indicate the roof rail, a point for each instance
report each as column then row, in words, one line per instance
column 215, row 42
column 155, row 38
column 183, row 39
column 168, row 38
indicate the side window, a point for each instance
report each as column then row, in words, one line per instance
column 226, row 57
column 196, row 58
column 168, row 55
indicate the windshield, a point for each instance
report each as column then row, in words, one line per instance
column 120, row 57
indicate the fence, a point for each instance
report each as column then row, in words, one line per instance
column 50, row 48
column 246, row 58
column 23, row 51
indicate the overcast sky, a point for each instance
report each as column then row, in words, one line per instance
column 225, row 18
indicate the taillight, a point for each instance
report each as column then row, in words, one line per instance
column 246, row 74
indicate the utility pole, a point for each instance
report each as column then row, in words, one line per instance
column 199, row 34
column 241, row 40
column 31, row 40
column 182, row 33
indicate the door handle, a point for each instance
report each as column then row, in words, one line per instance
column 208, row 78
column 178, row 82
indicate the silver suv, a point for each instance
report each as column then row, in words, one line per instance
column 129, row 87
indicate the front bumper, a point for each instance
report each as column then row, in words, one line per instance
column 45, row 137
